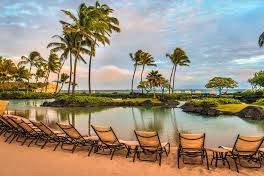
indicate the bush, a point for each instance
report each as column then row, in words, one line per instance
column 259, row 102
column 83, row 99
column 213, row 102
column 25, row 95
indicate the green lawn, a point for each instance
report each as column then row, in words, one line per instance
column 234, row 108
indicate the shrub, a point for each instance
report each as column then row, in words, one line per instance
column 259, row 102
column 213, row 101
column 25, row 95
column 83, row 99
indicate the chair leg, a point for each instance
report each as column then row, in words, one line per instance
column 15, row 135
column 112, row 153
column 128, row 151
column 56, row 146
column 235, row 160
column 207, row 163
column 90, row 150
column 160, row 157
column 74, row 147
column 178, row 159
column 31, row 142
column 44, row 143
column 24, row 141
column 135, row 154
column 12, row 133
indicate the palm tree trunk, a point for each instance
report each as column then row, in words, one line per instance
column 47, row 81
column 69, row 86
column 57, row 83
column 30, row 67
column 132, row 83
column 171, row 78
column 141, row 76
column 173, row 81
column 74, row 75
column 61, row 87
column 89, row 74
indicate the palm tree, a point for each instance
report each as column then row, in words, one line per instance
column 96, row 25
column 135, row 59
column 145, row 59
column 178, row 58
column 53, row 65
column 66, row 46
column 154, row 78
column 7, row 69
column 261, row 40
column 63, row 79
column 21, row 74
column 32, row 60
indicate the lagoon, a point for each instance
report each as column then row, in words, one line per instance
column 221, row 130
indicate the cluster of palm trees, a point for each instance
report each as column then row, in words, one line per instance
column 154, row 79
column 90, row 28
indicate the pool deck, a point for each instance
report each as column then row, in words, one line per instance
column 32, row 161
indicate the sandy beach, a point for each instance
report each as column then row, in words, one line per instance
column 32, row 161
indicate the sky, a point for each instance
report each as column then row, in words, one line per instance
column 219, row 36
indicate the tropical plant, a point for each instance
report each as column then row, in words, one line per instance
column 21, row 74
column 146, row 59
column 63, row 79
column 7, row 69
column 135, row 59
column 33, row 59
column 95, row 24
column 177, row 58
column 145, row 85
column 65, row 45
column 164, row 84
column 53, row 64
column 257, row 81
column 154, row 78
column 261, row 40
column 220, row 83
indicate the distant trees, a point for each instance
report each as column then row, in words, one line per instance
column 257, row 81
column 153, row 81
column 221, row 83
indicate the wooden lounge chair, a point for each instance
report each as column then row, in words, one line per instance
column 109, row 141
column 150, row 144
column 246, row 148
column 192, row 145
column 49, row 135
column 76, row 139
column 4, row 126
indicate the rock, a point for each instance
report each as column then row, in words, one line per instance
column 252, row 112
column 146, row 103
column 201, row 109
column 171, row 103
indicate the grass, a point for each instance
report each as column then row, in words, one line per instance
column 234, row 108
column 137, row 100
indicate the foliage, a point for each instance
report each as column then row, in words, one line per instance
column 220, row 83
column 213, row 101
column 257, row 81
column 259, row 102
column 261, row 40
column 233, row 108
column 177, row 58
column 25, row 95
column 80, row 99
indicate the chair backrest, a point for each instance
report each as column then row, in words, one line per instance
column 148, row 139
column 13, row 121
column 106, row 134
column 70, row 131
column 192, row 141
column 248, row 143
column 43, row 128
column 26, row 127
column 3, row 120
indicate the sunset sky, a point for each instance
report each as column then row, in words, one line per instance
column 219, row 36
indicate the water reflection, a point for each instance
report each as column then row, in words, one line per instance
column 168, row 122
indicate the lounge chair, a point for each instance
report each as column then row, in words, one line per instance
column 109, row 141
column 28, row 131
column 50, row 135
column 150, row 144
column 192, row 145
column 246, row 148
column 76, row 139
column 4, row 126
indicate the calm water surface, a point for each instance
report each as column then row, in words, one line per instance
column 168, row 122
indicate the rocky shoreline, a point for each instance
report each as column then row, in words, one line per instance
column 250, row 112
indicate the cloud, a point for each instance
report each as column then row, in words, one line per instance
column 250, row 60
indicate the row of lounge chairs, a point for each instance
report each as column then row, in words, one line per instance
column 16, row 128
